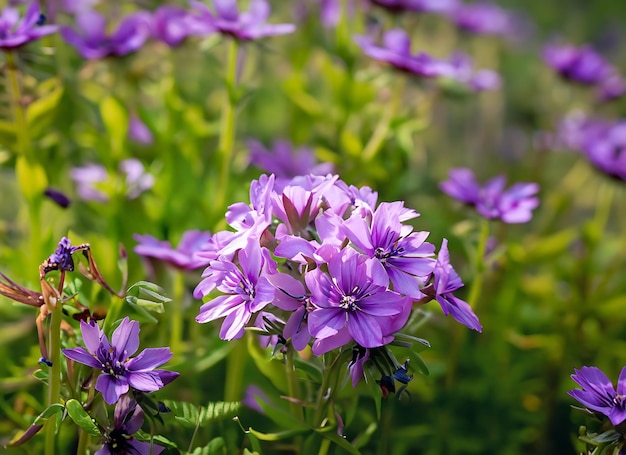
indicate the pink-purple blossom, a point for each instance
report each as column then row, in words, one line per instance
column 92, row 41
column 184, row 256
column 225, row 18
column 492, row 200
column 120, row 372
column 599, row 394
column 15, row 32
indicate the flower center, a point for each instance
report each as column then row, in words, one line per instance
column 348, row 302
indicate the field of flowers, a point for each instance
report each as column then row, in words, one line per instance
column 312, row 227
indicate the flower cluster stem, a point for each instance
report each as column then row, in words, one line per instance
column 234, row 371
column 479, row 264
column 54, row 378
column 176, row 327
column 227, row 127
column 292, row 385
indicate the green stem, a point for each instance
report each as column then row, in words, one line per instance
column 176, row 322
column 234, row 371
column 227, row 129
column 83, row 442
column 54, row 380
column 19, row 113
column 292, row 384
column 479, row 264
column 382, row 129
column 112, row 313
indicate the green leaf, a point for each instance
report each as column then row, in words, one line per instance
column 81, row 418
column 417, row 362
column 31, row 177
column 40, row 113
column 271, row 368
column 115, row 119
column 215, row 446
column 190, row 415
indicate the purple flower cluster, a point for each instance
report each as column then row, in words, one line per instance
column 339, row 267
column 492, row 200
column 395, row 50
column 598, row 393
column 120, row 372
column 15, row 32
column 92, row 178
column 586, row 66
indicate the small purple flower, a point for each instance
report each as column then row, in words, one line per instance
column 92, row 42
column 486, row 18
column 352, row 302
column 420, row 6
column 62, row 259
column 119, row 371
column 139, row 132
column 607, row 151
column 492, row 201
column 598, row 393
column 59, row 198
column 445, row 282
column 127, row 420
column 245, row 26
column 183, row 257
column 15, row 32
column 405, row 255
column 578, row 64
column 245, row 290
column 173, row 25
column 461, row 69
column 285, row 161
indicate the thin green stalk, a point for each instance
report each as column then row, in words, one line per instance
column 382, row 129
column 479, row 264
column 19, row 113
column 292, row 384
column 227, row 128
column 235, row 364
column 176, row 320
column 54, row 379
column 83, row 442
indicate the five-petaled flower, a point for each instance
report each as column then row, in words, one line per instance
column 119, row 371
column 598, row 393
column 15, row 32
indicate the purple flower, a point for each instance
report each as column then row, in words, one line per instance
column 119, row 371
column 62, row 259
column 245, row 26
column 420, row 6
column 598, row 393
column 404, row 254
column 127, row 420
column 139, row 132
column 92, row 42
column 352, row 303
column 244, row 288
column 285, row 161
column 173, row 25
column 445, row 282
column 461, row 69
column 60, row 198
column 183, row 257
column 607, row 151
column 491, row 200
column 579, row 64
column 15, row 32
column 486, row 19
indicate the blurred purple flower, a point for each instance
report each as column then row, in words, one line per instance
column 352, row 302
column 183, row 257
column 607, row 151
column 285, row 161
column 87, row 178
column 60, row 198
column 396, row 50
column 127, row 420
column 579, row 64
column 420, row 6
column 486, row 18
column 15, row 32
column 172, row 25
column 613, row 87
column 137, row 179
column 139, row 132
column 244, row 26
column 491, row 200
column 54, row 7
column 405, row 255
column 119, row 371
column 92, row 42
column 598, row 393
column 445, row 282
column 244, row 289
